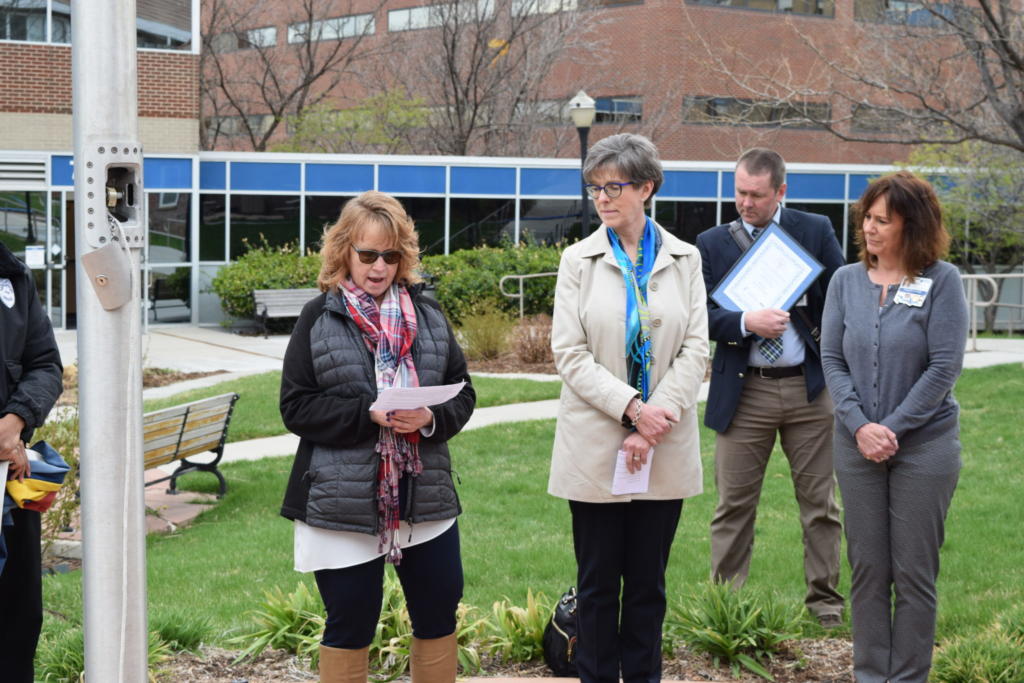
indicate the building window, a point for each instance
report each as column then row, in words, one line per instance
column 901, row 12
column 432, row 16
column 823, row 8
column 170, row 231
column 258, row 220
column 337, row 28
column 477, row 223
column 527, row 7
column 685, row 220
column 211, row 227
column 165, row 25
column 232, row 126
column 625, row 109
column 244, row 40
column 745, row 112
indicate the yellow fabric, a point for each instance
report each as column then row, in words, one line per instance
column 30, row 489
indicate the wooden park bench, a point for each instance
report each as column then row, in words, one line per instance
column 280, row 303
column 178, row 432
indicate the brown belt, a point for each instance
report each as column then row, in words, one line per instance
column 776, row 373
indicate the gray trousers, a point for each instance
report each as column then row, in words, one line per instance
column 770, row 407
column 895, row 516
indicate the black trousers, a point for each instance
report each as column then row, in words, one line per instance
column 21, row 598
column 431, row 577
column 621, row 549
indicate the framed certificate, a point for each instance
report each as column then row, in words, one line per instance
column 773, row 273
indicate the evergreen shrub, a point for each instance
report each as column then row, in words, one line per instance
column 468, row 279
column 263, row 267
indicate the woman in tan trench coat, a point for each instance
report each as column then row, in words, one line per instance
column 630, row 341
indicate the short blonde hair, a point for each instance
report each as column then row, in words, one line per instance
column 375, row 208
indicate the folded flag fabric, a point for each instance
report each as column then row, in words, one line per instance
column 38, row 489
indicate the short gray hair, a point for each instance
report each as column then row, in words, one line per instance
column 634, row 156
column 759, row 160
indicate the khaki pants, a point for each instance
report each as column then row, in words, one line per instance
column 767, row 407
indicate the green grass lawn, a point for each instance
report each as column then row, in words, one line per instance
column 515, row 536
column 256, row 413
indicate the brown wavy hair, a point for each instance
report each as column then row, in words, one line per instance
column 385, row 212
column 925, row 239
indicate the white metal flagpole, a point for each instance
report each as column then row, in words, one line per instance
column 109, row 237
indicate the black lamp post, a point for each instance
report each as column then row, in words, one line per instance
column 582, row 110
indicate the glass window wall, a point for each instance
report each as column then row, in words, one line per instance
column 212, row 227
column 170, row 294
column 477, row 222
column 321, row 213
column 685, row 220
column 271, row 220
column 160, row 24
column 170, row 227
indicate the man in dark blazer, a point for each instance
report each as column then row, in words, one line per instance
column 766, row 379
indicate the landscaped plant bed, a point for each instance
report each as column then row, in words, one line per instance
column 827, row 660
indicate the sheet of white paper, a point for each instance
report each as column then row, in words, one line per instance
column 410, row 398
column 769, row 278
column 623, row 482
column 3, row 471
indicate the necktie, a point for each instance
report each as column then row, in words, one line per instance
column 771, row 349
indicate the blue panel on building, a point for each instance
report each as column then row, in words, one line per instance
column 167, row 174
column 269, row 177
column 551, row 181
column 61, row 170
column 339, row 177
column 728, row 184
column 858, row 183
column 477, row 180
column 815, row 186
column 212, row 175
column 411, row 179
column 689, row 184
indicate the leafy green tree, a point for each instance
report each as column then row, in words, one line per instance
column 980, row 194
column 381, row 123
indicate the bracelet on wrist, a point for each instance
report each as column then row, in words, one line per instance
column 636, row 411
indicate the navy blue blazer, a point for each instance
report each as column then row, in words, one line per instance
column 718, row 252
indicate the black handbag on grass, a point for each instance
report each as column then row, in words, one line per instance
column 560, row 637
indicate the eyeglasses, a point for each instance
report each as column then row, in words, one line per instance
column 370, row 256
column 611, row 189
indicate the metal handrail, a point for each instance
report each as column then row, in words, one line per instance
column 520, row 295
column 972, row 280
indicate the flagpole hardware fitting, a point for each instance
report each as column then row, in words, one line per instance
column 112, row 174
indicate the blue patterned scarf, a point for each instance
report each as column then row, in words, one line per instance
column 638, row 319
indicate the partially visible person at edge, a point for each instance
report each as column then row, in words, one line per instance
column 626, row 388
column 893, row 340
column 767, row 381
column 369, row 487
column 29, row 387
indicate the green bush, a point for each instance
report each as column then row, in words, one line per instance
column 262, row 267
column 517, row 633
column 469, row 278
column 736, row 626
column 62, row 659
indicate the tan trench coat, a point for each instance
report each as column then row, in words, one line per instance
column 588, row 340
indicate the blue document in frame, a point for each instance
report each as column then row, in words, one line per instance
column 773, row 273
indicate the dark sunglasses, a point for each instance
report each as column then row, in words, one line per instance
column 370, row 256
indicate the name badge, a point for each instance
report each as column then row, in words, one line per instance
column 913, row 293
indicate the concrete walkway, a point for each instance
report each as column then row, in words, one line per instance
column 203, row 349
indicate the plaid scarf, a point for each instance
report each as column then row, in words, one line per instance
column 389, row 331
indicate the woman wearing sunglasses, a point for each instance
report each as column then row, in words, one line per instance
column 630, row 340
column 369, row 487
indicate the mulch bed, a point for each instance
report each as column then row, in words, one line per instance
column 826, row 660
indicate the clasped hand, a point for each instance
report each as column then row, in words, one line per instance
column 655, row 422
column 403, row 421
column 12, row 448
column 876, row 442
column 769, row 323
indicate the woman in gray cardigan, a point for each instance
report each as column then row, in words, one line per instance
column 892, row 346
